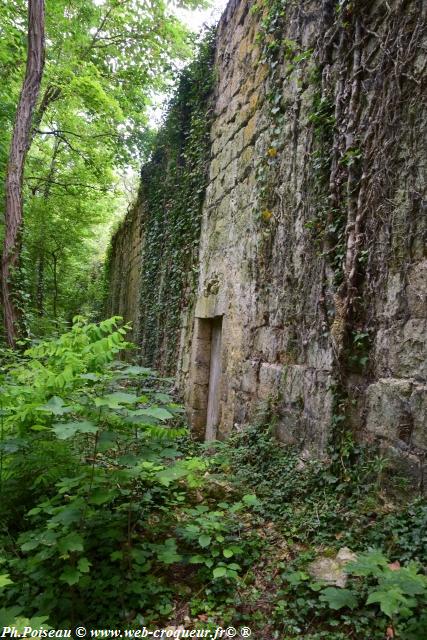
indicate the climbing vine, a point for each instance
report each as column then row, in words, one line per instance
column 170, row 201
column 273, row 49
column 366, row 74
column 360, row 74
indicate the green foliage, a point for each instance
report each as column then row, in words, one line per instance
column 104, row 60
column 288, row 64
column 319, row 507
column 96, row 500
column 378, row 594
column 109, row 512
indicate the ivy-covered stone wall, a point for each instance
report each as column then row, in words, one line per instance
column 157, row 243
column 309, row 240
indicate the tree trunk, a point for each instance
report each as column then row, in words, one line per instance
column 40, row 284
column 55, row 285
column 15, row 168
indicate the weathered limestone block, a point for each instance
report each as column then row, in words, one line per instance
column 388, row 408
column 401, row 350
column 318, row 356
column 416, row 290
column 305, row 406
column 418, row 407
column 125, row 268
column 249, row 379
column 269, row 380
column 268, row 343
column 395, row 302
column 332, row 570
column 397, row 415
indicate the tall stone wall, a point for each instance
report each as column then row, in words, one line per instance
column 312, row 241
column 125, row 259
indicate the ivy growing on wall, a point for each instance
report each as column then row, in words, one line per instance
column 170, row 200
column 272, row 51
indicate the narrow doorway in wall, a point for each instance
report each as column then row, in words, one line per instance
column 212, row 418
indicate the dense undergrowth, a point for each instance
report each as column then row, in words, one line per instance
column 111, row 516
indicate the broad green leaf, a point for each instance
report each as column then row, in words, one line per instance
column 67, row 515
column 162, row 397
column 56, row 406
column 367, row 564
column 84, row 565
column 90, row 376
column 70, row 575
column 21, row 624
column 5, row 580
column 47, row 538
column 155, row 412
column 101, row 496
column 9, row 616
column 107, row 440
column 197, row 559
column 65, row 430
column 339, row 598
column 136, row 370
column 172, row 473
column 219, row 572
column 205, row 540
column 390, row 601
column 71, row 542
column 227, row 553
column 116, row 400
column 407, row 579
column 295, row 577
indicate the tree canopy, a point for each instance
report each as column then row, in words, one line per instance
column 104, row 61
